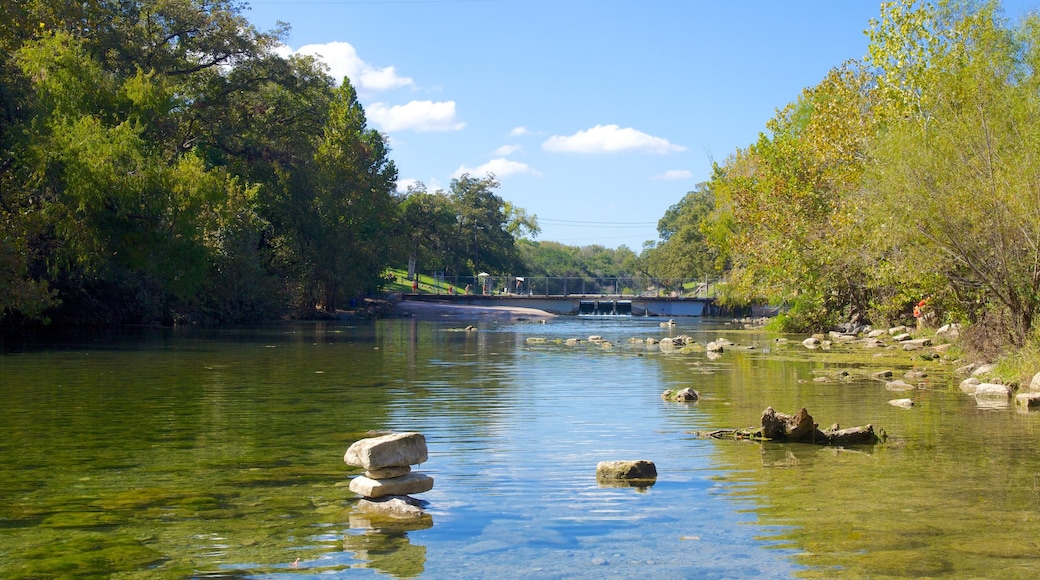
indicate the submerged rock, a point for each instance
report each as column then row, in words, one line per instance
column 899, row 385
column 686, row 395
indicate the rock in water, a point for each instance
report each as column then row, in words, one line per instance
column 1027, row 401
column 402, row 507
column 394, row 450
column 686, row 395
column 611, row 470
column 412, row 483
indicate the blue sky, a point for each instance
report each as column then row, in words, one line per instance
column 595, row 115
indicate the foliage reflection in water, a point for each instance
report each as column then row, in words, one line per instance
column 173, row 453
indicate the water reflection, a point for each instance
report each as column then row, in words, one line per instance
column 383, row 544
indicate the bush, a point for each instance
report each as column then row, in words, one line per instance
column 808, row 313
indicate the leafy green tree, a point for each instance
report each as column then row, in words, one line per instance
column 349, row 246
column 683, row 251
column 428, row 228
column 786, row 206
column 158, row 159
column 958, row 179
column 520, row 224
column 548, row 258
column 483, row 226
column 117, row 216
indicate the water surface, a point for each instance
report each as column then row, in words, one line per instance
column 214, row 453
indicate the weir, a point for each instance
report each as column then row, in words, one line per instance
column 605, row 308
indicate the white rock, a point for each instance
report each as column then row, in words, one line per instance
column 904, row 403
column 1034, row 385
column 392, row 450
column 412, row 483
column 969, row 385
column 983, row 369
column 393, row 506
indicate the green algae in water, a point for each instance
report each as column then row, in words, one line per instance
column 86, row 555
column 91, row 519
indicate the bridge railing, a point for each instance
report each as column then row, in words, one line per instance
column 575, row 286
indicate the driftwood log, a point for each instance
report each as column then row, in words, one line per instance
column 798, row 428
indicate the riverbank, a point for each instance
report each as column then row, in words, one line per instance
column 431, row 311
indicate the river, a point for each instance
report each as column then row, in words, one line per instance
column 194, row 452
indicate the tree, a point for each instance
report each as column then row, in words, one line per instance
column 684, row 251
column 159, row 160
column 345, row 236
column 960, row 179
column 483, row 225
column 786, row 206
column 428, row 228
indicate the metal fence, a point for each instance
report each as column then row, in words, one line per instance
column 571, row 286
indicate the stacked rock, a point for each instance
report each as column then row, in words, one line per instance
column 387, row 461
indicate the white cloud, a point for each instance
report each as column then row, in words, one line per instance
column 344, row 61
column 610, row 139
column 499, row 167
column 404, row 184
column 519, row 131
column 507, row 150
column 673, row 174
column 416, row 116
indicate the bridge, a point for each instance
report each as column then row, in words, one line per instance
column 591, row 304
